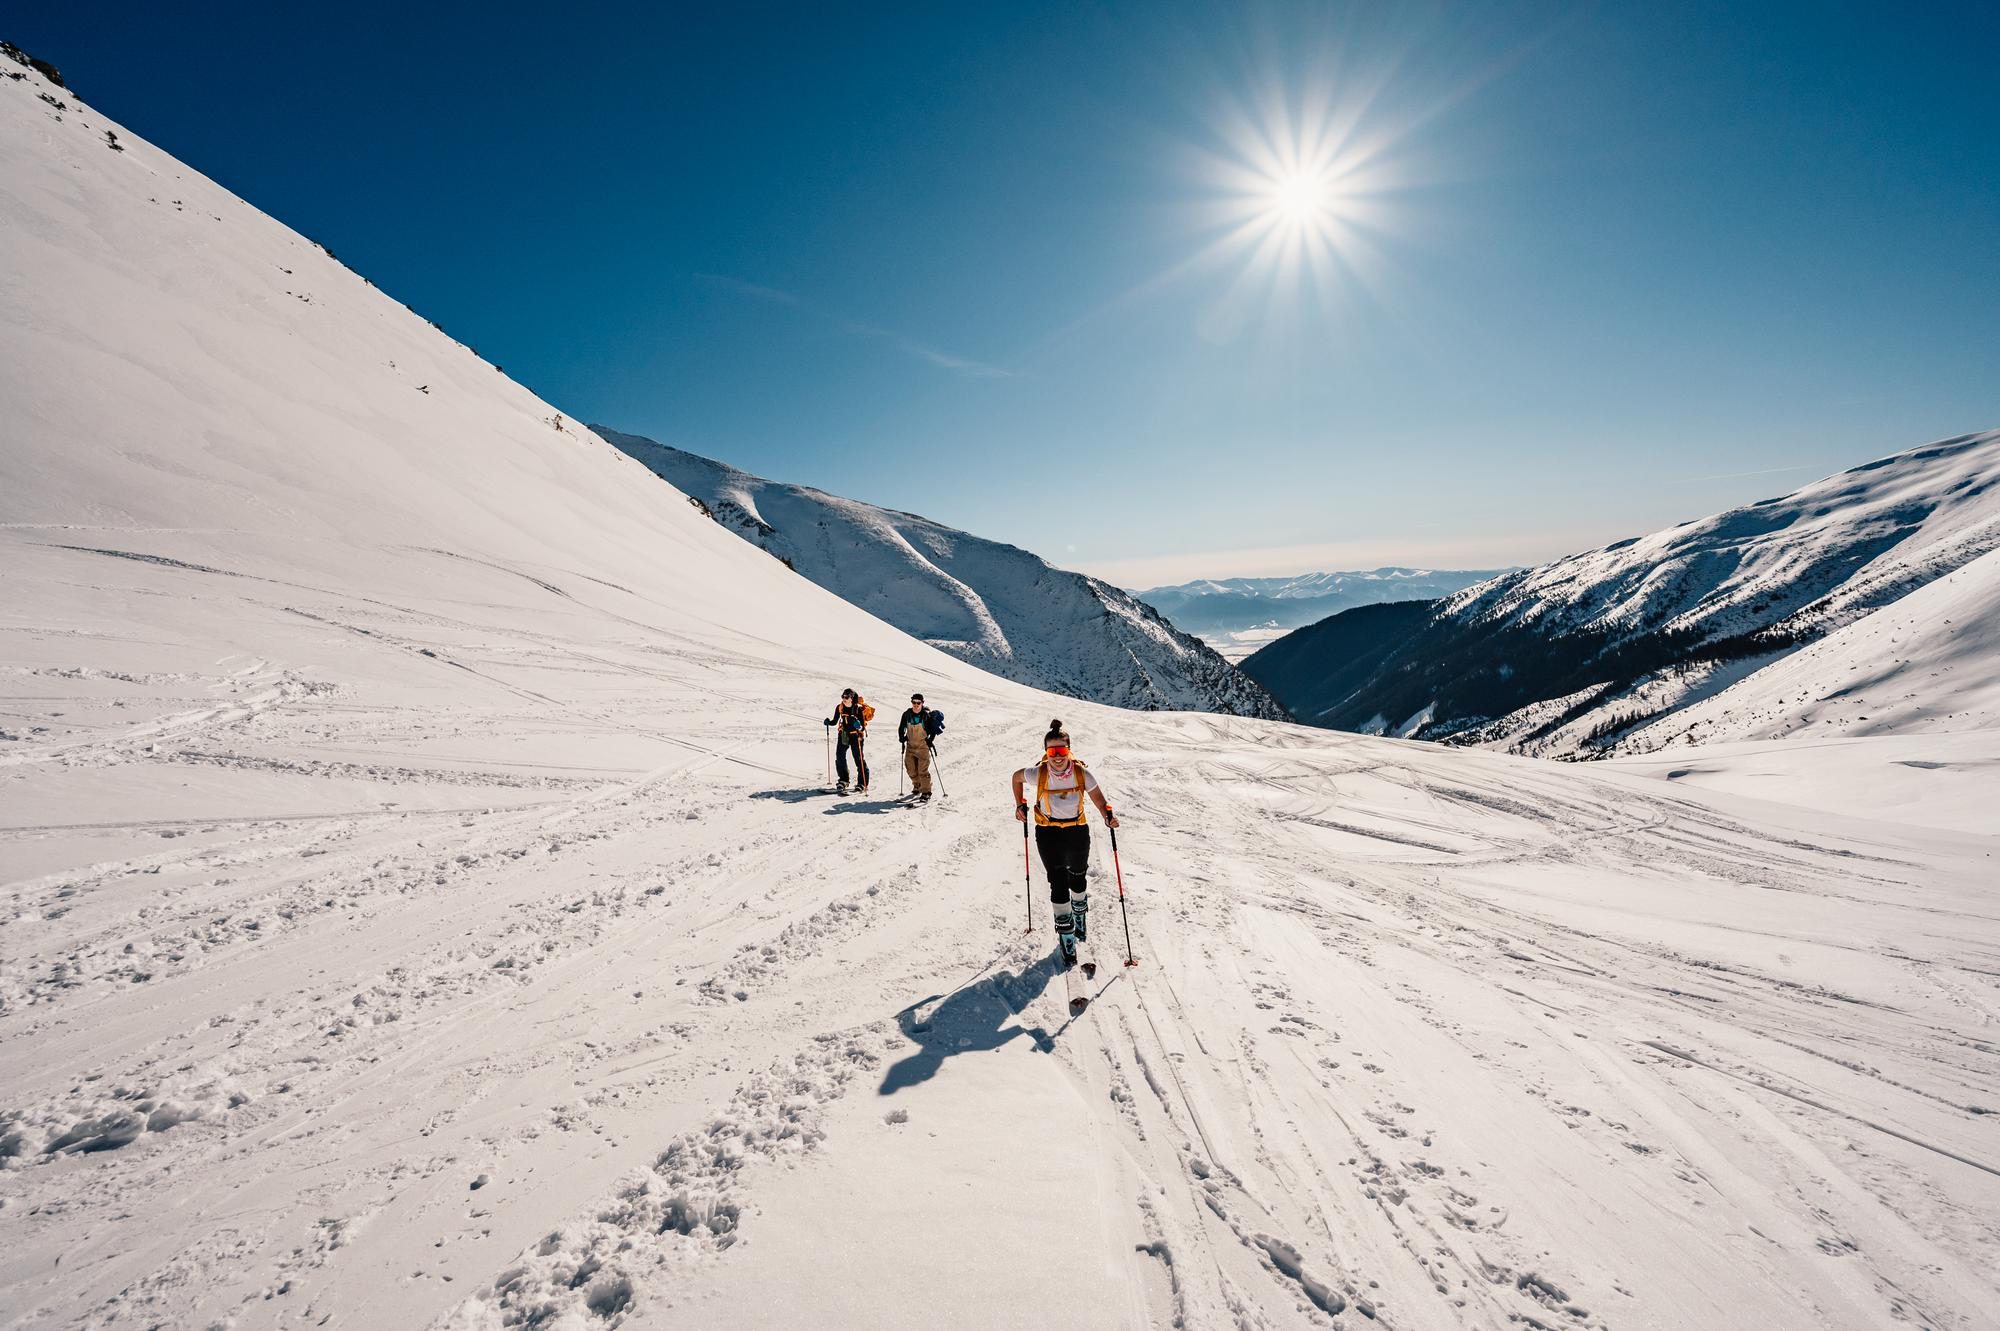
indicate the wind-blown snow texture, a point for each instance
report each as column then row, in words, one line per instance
column 996, row 606
column 1237, row 616
column 416, row 910
column 1671, row 638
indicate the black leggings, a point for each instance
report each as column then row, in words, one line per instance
column 850, row 740
column 1065, row 858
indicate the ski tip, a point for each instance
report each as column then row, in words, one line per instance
column 1089, row 970
column 1078, row 1004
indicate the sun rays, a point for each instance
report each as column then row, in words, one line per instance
column 1294, row 201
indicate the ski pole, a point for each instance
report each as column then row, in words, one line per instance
column 1130, row 960
column 1027, row 877
column 937, row 768
column 901, row 763
column 829, row 755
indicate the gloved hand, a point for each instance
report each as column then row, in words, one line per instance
column 827, row 722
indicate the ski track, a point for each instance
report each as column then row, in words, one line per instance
column 534, row 1060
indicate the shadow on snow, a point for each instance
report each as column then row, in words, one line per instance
column 973, row 1018
column 846, row 805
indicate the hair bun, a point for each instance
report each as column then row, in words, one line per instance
column 1055, row 725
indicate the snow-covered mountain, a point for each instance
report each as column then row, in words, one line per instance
column 1814, row 609
column 417, row 908
column 1318, row 667
column 996, row 606
column 1237, row 616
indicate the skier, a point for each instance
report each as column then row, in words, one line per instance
column 850, row 720
column 917, row 732
column 1061, row 835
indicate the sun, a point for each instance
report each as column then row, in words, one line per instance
column 1293, row 189
column 1302, row 199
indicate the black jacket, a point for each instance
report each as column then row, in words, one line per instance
column 933, row 722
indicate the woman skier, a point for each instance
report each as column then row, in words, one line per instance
column 1061, row 835
column 851, row 718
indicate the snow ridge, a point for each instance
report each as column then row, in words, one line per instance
column 1601, row 652
column 995, row 606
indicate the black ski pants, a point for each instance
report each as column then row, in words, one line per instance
column 1065, row 855
column 849, row 740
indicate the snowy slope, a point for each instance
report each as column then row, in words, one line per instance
column 415, row 909
column 996, row 606
column 1578, row 657
column 1238, row 616
column 1928, row 662
column 1896, row 714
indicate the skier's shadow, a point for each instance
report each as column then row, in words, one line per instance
column 972, row 1019
column 789, row 796
column 865, row 806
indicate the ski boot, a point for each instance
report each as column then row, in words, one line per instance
column 1066, row 935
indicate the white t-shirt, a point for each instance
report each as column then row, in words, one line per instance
column 1064, row 798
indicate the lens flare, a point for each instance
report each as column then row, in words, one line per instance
column 1310, row 169
column 1296, row 201
column 1305, row 170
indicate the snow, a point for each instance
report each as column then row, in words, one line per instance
column 418, row 909
column 1824, row 554
column 1686, row 635
column 1928, row 662
column 1920, row 779
column 993, row 605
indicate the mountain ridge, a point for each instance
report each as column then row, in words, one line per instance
column 1578, row 657
column 988, row 603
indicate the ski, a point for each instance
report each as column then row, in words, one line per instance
column 1075, row 975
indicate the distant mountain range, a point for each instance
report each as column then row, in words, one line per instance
column 1865, row 600
column 1236, row 616
column 995, row 606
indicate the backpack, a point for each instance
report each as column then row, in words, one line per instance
column 867, row 712
column 937, row 721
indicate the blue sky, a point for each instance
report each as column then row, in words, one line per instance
column 1554, row 275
